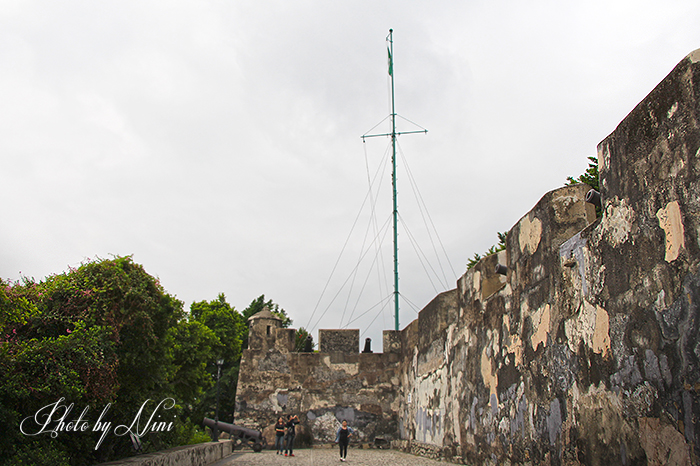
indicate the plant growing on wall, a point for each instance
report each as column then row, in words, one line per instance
column 300, row 340
column 492, row 250
column 589, row 177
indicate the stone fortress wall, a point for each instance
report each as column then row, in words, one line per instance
column 584, row 349
column 337, row 382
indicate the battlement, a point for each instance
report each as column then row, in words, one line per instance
column 266, row 333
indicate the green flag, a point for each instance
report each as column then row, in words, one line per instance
column 391, row 63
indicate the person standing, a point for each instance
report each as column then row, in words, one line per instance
column 342, row 438
column 291, row 425
column 279, row 435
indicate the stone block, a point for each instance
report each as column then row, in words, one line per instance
column 391, row 341
column 346, row 341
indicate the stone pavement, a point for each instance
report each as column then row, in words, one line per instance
column 326, row 456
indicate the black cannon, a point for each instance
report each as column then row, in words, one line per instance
column 250, row 436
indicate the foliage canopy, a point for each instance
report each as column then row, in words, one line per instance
column 106, row 334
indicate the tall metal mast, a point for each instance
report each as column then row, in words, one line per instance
column 393, row 181
column 393, row 134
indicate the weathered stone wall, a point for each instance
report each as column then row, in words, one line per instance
column 321, row 388
column 586, row 351
column 482, row 355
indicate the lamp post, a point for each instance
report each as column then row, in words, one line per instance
column 219, row 363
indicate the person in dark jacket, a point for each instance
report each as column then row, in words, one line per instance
column 342, row 438
column 289, row 444
column 279, row 435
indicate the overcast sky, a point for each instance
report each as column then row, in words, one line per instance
column 218, row 142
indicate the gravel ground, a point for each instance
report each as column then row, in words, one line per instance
column 327, row 456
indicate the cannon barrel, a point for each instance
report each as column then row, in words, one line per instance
column 238, row 432
column 233, row 429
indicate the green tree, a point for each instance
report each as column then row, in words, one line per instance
column 93, row 335
column 259, row 303
column 227, row 324
column 107, row 333
column 192, row 347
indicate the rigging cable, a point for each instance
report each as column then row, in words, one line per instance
column 372, row 223
column 413, row 306
column 419, row 253
column 378, row 254
column 359, row 296
column 413, row 123
column 421, row 202
column 381, row 312
column 381, row 271
column 386, row 300
column 347, row 279
column 338, row 259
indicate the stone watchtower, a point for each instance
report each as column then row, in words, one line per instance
column 263, row 330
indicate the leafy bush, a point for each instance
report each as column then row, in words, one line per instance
column 96, row 336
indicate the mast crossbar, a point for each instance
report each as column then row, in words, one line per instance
column 389, row 134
